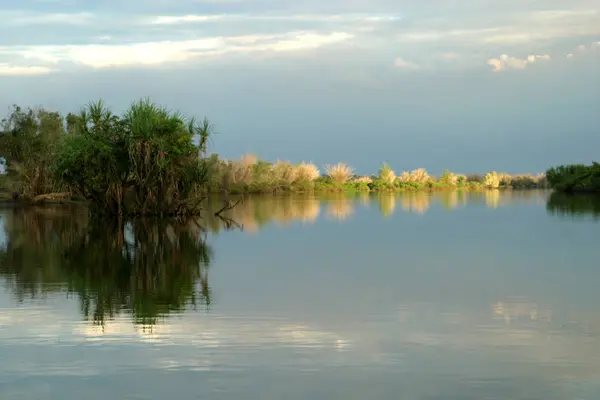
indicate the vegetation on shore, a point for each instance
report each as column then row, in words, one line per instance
column 252, row 175
column 575, row 178
column 148, row 161
column 151, row 161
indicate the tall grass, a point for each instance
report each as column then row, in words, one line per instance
column 386, row 174
column 340, row 172
column 307, row 172
column 418, row 175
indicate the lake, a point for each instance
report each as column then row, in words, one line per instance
column 490, row 295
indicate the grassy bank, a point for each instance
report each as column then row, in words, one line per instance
column 252, row 175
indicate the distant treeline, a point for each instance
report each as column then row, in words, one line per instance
column 150, row 160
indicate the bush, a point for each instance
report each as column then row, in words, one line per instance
column 491, row 180
column 418, row 175
column 144, row 162
column 386, row 174
column 307, row 172
column 474, row 178
column 339, row 172
column 523, row 182
column 449, row 178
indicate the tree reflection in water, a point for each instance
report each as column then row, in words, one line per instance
column 574, row 205
column 146, row 268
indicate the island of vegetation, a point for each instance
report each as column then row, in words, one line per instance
column 153, row 161
column 575, row 178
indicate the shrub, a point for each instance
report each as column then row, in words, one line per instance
column 386, row 174
column 505, row 179
column 283, row 173
column 418, row 175
column 474, row 178
column 449, row 178
column 363, row 179
column 340, row 172
column 307, row 172
column 491, row 180
column 523, row 182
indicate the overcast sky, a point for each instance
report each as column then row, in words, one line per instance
column 469, row 85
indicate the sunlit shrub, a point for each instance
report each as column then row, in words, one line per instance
column 491, row 180
column 283, row 172
column 449, row 178
column 418, row 175
column 363, row 179
column 386, row 174
column 307, row 172
column 505, row 179
column 339, row 172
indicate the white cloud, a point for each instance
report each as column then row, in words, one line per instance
column 404, row 64
column 153, row 53
column 504, row 62
column 193, row 18
column 171, row 20
column 28, row 18
column 14, row 70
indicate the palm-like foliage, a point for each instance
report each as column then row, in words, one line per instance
column 575, row 178
column 145, row 162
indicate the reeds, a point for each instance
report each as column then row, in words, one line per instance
column 340, row 172
column 386, row 174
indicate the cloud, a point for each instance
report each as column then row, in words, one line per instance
column 13, row 70
column 26, row 18
column 583, row 49
column 191, row 18
column 171, row 20
column 504, row 62
column 154, row 53
column 404, row 64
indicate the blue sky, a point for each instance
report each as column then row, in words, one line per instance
column 469, row 85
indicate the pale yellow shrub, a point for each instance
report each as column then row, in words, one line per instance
column 491, row 180
column 449, row 178
column 284, row 172
column 418, row 175
column 363, row 179
column 248, row 159
column 307, row 172
column 505, row 179
column 340, row 172
column 386, row 174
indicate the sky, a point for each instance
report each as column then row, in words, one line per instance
column 468, row 85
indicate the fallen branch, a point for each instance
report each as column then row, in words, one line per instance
column 228, row 206
column 51, row 196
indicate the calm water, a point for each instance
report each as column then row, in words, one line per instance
column 450, row 296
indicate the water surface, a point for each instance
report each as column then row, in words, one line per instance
column 447, row 296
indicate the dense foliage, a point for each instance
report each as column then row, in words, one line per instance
column 575, row 178
column 28, row 141
column 148, row 161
